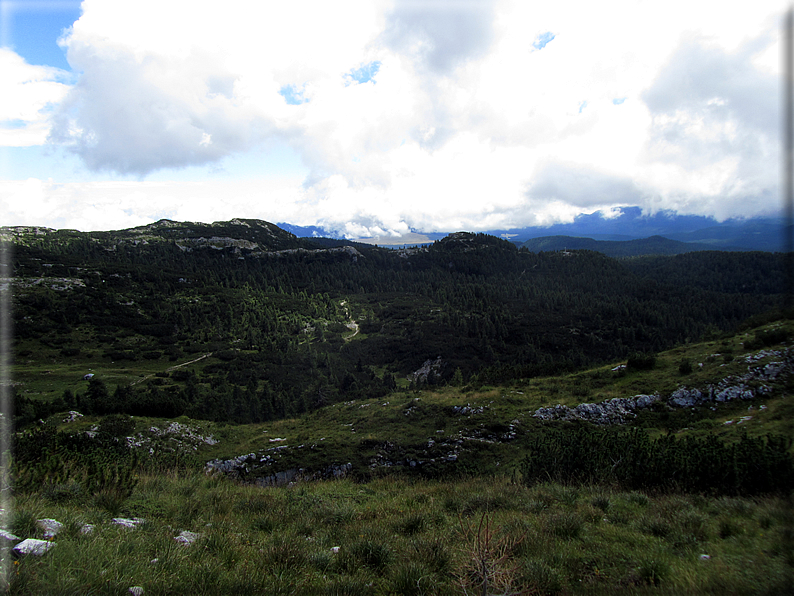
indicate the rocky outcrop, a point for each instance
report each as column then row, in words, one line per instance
column 173, row 437
column 614, row 411
column 255, row 468
column 754, row 383
column 216, row 242
column 429, row 372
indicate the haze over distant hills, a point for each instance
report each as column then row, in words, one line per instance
column 684, row 233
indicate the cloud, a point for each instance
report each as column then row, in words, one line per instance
column 134, row 116
column 440, row 34
column 715, row 121
column 702, row 81
column 581, row 186
column 150, row 89
column 424, row 115
column 27, row 96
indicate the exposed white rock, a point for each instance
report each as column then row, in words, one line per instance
column 72, row 416
column 429, row 369
column 613, row 411
column 685, row 398
column 7, row 535
column 51, row 527
column 128, row 523
column 187, row 538
column 32, row 546
column 616, row 411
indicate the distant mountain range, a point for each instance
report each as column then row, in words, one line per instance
column 626, row 234
column 655, row 245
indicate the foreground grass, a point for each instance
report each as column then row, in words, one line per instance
column 397, row 536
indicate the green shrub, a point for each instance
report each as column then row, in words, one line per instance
column 766, row 338
column 412, row 579
column 116, row 425
column 653, row 571
column 602, row 502
column 412, row 524
column 538, row 578
column 23, row 524
column 566, row 525
column 631, row 459
column 639, row 361
column 373, row 555
column 434, row 553
column 263, row 524
column 285, row 553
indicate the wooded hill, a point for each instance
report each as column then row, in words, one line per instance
column 286, row 325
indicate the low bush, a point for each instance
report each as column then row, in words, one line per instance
column 631, row 459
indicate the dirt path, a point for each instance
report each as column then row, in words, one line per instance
column 352, row 324
column 170, row 368
column 186, row 363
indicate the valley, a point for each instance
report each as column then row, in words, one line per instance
column 334, row 418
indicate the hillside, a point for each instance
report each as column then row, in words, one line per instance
column 443, row 491
column 231, row 409
column 278, row 326
column 655, row 245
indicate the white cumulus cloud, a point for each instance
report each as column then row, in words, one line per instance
column 429, row 115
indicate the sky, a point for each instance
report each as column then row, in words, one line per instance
column 378, row 118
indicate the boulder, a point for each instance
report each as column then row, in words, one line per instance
column 51, row 527
column 128, row 523
column 32, row 546
column 187, row 538
column 685, row 398
column 6, row 535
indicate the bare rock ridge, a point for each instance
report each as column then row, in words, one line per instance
column 621, row 409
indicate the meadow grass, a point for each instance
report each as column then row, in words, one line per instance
column 407, row 536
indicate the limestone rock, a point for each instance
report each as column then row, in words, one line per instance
column 685, row 398
column 187, row 538
column 128, row 523
column 32, row 546
column 6, row 535
column 51, row 527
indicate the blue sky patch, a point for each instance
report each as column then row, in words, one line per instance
column 582, row 106
column 11, row 124
column 363, row 74
column 33, row 28
column 618, row 100
column 292, row 96
column 542, row 40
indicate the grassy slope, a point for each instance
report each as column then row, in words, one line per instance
column 354, row 431
column 401, row 537
column 405, row 535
